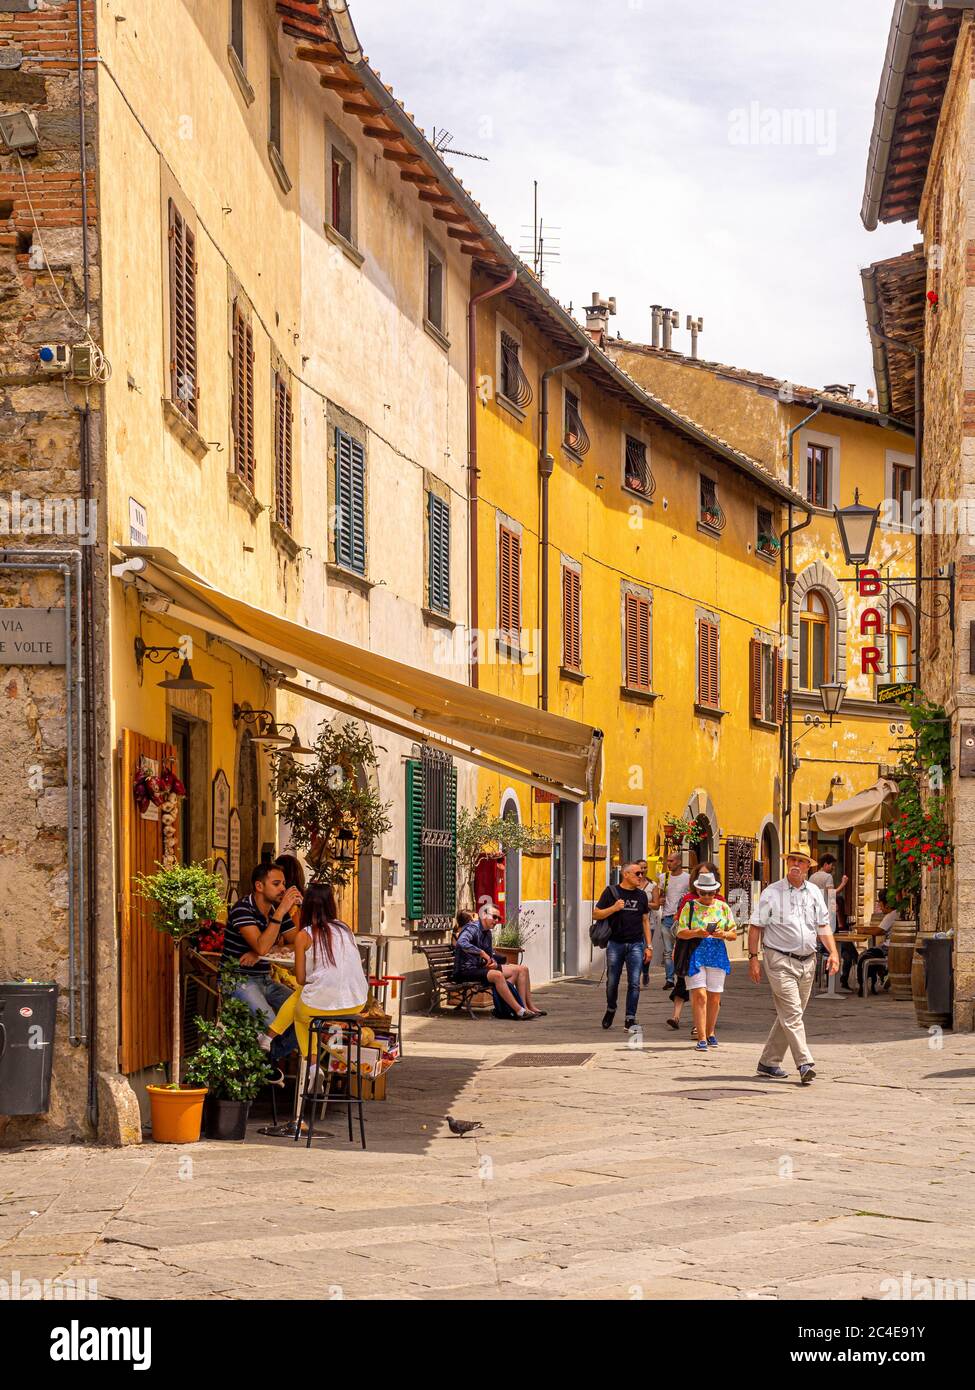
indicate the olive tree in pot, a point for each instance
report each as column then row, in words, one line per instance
column 232, row 1066
column 481, row 833
column 186, row 898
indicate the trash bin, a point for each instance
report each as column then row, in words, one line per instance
column 931, row 980
column 28, row 1010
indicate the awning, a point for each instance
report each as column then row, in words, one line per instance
column 865, row 815
column 528, row 744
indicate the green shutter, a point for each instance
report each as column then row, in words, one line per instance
column 350, row 502
column 414, row 833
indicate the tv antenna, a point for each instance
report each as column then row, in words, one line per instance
column 541, row 241
column 443, row 143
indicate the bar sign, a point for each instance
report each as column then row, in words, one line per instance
column 32, row 637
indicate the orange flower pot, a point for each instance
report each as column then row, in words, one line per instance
column 176, row 1115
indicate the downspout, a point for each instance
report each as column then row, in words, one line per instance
column 546, row 466
column 472, row 597
column 787, row 581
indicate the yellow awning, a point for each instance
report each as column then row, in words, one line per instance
column 865, row 815
column 548, row 749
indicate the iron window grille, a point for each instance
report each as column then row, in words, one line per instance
column 711, row 514
column 515, row 386
column 766, row 541
column 575, row 437
column 637, row 474
column 431, row 840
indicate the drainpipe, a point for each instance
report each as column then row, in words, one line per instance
column 787, row 583
column 546, row 466
column 472, row 463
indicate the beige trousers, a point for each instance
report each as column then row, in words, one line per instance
column 791, row 981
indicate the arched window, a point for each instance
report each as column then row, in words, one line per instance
column 815, row 652
column 901, row 644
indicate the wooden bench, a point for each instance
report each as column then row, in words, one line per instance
column 440, row 960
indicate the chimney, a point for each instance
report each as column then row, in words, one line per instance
column 695, row 327
column 597, row 317
column 841, row 389
column 655, row 314
column 671, row 320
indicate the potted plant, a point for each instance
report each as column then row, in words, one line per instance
column 514, row 936
column 186, row 898
column 480, row 834
column 231, row 1067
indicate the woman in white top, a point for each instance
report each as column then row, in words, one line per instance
column 328, row 968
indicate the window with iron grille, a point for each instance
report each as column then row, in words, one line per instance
column 575, row 437
column 818, row 458
column 711, row 515
column 431, row 840
column 571, row 618
column 765, row 681
column 184, row 391
column 283, row 468
column 708, row 671
column 515, row 386
column 243, row 396
column 766, row 540
column 438, row 550
column 637, row 667
column 350, row 502
column 509, row 585
column 636, row 470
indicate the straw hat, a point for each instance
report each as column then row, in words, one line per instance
column 798, row 851
column 707, row 883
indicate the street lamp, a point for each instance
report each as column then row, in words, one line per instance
column 856, row 525
column 832, row 694
column 345, row 846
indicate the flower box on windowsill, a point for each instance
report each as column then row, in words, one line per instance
column 768, row 547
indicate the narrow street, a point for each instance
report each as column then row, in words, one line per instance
column 634, row 1172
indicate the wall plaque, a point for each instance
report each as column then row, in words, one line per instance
column 234, row 851
column 220, row 796
column 32, row 637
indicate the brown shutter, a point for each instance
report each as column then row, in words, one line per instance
column 243, row 412
column 703, row 676
column 637, row 639
column 755, row 679
column 709, row 692
column 509, row 565
column 715, row 670
column 283, row 467
column 779, row 700
column 571, row 619
column 182, row 315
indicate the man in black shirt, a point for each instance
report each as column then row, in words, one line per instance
column 254, row 926
column 628, row 908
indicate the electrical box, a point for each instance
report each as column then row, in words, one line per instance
column 55, row 357
column 82, row 363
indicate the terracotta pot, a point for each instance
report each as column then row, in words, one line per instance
column 512, row 954
column 176, row 1115
column 900, row 953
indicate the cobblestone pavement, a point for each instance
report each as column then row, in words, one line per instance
column 643, row 1172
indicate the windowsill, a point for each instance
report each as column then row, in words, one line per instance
column 709, row 530
column 344, row 244
column 437, row 334
column 277, row 164
column 240, row 493
column 434, row 618
column 709, row 712
column 237, row 68
column 568, row 674
column 639, row 697
column 284, row 540
column 511, row 408
column 509, row 649
column 349, row 578
column 769, row 559
column 765, row 724
column 185, row 431
column 573, row 455
column 637, row 492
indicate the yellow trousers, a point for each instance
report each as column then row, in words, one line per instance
column 293, row 1011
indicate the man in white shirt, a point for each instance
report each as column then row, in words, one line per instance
column 789, row 920
column 670, row 887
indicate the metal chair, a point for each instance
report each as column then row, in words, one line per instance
column 332, row 1025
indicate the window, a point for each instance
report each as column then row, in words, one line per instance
column 901, row 632
column 243, row 396
column 509, row 585
column 438, row 551
column 274, row 112
column 183, row 387
column 711, row 517
column 435, row 291
column 340, row 188
column 571, row 618
column 818, row 463
column 902, row 489
column 283, row 468
column 515, row 386
column 237, row 29
column 766, row 540
column 636, row 641
column 431, row 840
column 574, row 434
column 636, row 468
column 815, row 655
column 708, row 674
column 350, row 503
column 765, row 681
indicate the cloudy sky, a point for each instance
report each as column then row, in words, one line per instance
column 667, row 149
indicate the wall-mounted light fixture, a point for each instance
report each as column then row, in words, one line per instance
column 18, row 131
column 184, row 681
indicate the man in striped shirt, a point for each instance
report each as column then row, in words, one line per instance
column 254, row 926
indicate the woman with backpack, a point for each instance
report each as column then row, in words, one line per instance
column 707, row 922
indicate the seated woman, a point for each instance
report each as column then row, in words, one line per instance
column 709, row 924
column 474, row 961
column 328, row 968
column 881, row 934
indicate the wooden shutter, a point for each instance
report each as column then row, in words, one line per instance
column 182, row 315
column 755, row 693
column 414, row 839
column 146, row 954
column 350, row 502
column 283, row 467
column 509, row 584
column 707, row 664
column 571, row 618
column 637, row 641
column 438, row 546
column 243, row 411
column 778, row 694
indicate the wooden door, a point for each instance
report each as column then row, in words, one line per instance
column 146, row 964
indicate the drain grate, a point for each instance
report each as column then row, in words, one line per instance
column 546, row 1059
column 719, row 1093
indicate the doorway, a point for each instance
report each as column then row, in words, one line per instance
column 558, row 889
column 248, row 807
column 181, row 736
column 770, row 856
column 625, row 844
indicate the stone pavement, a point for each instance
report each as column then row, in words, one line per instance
column 644, row 1172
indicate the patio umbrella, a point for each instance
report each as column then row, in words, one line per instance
column 865, row 815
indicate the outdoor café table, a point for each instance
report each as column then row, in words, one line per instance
column 857, row 938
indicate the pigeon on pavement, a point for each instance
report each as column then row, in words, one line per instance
column 462, row 1127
